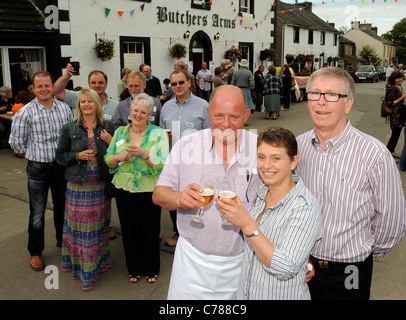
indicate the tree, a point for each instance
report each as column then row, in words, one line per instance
column 368, row 54
column 398, row 36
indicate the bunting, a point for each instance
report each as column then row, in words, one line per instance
column 131, row 12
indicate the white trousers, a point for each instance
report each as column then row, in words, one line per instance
column 198, row 276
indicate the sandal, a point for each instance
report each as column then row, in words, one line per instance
column 152, row 279
column 137, row 278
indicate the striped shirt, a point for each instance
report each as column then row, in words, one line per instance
column 293, row 226
column 357, row 183
column 194, row 155
column 184, row 118
column 35, row 130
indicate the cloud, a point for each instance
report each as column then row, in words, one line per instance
column 381, row 15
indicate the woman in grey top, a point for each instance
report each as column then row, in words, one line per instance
column 282, row 226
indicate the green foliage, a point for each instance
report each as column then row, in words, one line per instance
column 398, row 36
column 369, row 55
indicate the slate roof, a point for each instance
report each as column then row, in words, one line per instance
column 21, row 15
column 375, row 36
column 292, row 15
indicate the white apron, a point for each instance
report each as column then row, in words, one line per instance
column 198, row 276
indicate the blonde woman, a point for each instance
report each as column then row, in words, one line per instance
column 81, row 149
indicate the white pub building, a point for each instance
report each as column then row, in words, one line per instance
column 144, row 31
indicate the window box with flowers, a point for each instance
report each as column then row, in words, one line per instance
column 178, row 50
column 233, row 54
column 104, row 49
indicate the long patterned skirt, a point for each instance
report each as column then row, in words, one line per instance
column 85, row 244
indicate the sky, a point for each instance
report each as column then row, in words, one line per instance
column 379, row 13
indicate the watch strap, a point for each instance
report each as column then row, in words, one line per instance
column 254, row 234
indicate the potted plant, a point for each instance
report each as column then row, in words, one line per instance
column 104, row 49
column 233, row 54
column 178, row 50
column 270, row 52
column 289, row 58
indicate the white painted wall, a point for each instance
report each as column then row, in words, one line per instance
column 303, row 47
column 88, row 18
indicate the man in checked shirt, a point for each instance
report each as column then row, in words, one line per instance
column 34, row 135
column 355, row 179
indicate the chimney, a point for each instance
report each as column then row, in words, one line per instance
column 307, row 6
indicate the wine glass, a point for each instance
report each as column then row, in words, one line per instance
column 126, row 143
column 208, row 184
column 227, row 190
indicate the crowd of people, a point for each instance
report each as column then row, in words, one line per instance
column 304, row 208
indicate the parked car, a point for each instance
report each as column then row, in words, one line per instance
column 367, row 73
column 382, row 72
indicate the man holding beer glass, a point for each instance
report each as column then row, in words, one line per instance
column 226, row 149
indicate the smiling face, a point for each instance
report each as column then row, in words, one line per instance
column 180, row 85
column 274, row 164
column 135, row 86
column 98, row 83
column 228, row 113
column 87, row 105
column 43, row 88
column 329, row 118
column 140, row 115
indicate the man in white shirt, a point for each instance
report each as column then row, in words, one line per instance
column 204, row 78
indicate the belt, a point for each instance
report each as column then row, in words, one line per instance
column 324, row 264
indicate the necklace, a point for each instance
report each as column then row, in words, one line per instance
column 139, row 131
column 88, row 127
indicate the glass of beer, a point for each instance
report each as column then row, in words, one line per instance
column 208, row 184
column 227, row 190
column 75, row 65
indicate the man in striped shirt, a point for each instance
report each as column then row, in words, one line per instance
column 34, row 135
column 184, row 114
column 207, row 263
column 356, row 181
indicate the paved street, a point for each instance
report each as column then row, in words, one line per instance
column 19, row 282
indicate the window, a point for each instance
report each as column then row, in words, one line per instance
column 296, row 34
column 310, row 38
column 18, row 65
column 246, row 6
column 335, row 39
column 322, row 38
column 201, row 4
column 134, row 51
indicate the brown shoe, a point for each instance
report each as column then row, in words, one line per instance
column 112, row 234
column 172, row 241
column 37, row 263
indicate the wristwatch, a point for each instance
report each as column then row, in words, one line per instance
column 254, row 234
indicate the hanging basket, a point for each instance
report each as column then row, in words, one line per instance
column 233, row 54
column 104, row 49
column 178, row 51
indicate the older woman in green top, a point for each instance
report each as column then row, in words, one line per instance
column 136, row 156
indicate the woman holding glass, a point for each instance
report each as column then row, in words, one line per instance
column 81, row 149
column 281, row 227
column 136, row 156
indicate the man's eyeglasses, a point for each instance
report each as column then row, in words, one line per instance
column 181, row 83
column 328, row 96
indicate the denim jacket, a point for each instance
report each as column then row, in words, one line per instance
column 73, row 140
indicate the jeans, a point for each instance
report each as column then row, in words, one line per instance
column 42, row 177
column 394, row 138
column 205, row 94
column 402, row 161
